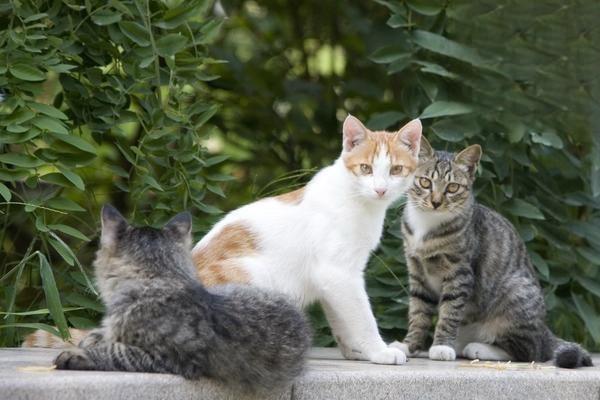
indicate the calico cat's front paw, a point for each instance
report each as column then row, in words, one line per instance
column 442, row 353
column 388, row 356
column 403, row 347
column 73, row 359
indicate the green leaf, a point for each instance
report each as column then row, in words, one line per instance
column 76, row 141
column 439, row 44
column 50, row 124
column 384, row 120
column 42, row 311
column 540, row 264
column 52, row 297
column 426, row 7
column 73, row 177
column 84, row 301
column 48, row 110
column 171, row 44
column 5, row 192
column 106, row 17
column 69, row 231
column 589, row 316
column 445, row 108
column 136, row 32
column 521, row 208
column 62, row 249
column 448, row 130
column 389, row 54
column 21, row 160
column 590, row 285
column 33, row 325
column 547, row 139
column 214, row 160
column 64, row 204
column 27, row 72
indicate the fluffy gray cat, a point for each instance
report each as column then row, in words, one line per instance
column 468, row 263
column 159, row 318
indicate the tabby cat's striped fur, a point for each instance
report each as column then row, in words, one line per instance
column 467, row 263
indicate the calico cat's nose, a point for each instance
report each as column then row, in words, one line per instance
column 436, row 204
column 380, row 192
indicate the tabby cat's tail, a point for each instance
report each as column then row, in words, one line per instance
column 45, row 339
column 571, row 355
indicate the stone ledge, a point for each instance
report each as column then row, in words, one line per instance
column 328, row 376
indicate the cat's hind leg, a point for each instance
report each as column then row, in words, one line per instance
column 484, row 351
column 108, row 357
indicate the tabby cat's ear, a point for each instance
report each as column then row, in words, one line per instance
column 410, row 136
column 181, row 224
column 354, row 132
column 426, row 150
column 469, row 158
column 112, row 222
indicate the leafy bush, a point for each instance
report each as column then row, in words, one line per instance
column 105, row 102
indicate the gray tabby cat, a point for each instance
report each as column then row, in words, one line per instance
column 159, row 318
column 468, row 263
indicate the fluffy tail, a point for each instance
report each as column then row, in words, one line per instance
column 571, row 355
column 45, row 339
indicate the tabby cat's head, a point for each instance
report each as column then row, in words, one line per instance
column 380, row 163
column 129, row 252
column 443, row 181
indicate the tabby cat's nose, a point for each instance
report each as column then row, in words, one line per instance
column 436, row 204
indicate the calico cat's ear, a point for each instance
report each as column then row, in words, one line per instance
column 354, row 132
column 181, row 224
column 426, row 150
column 410, row 136
column 112, row 222
column 469, row 158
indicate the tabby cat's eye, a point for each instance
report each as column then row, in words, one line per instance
column 396, row 170
column 366, row 169
column 425, row 183
column 452, row 187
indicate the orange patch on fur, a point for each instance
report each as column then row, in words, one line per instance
column 217, row 262
column 293, row 197
column 374, row 142
column 45, row 339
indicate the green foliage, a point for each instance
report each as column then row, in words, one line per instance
column 106, row 102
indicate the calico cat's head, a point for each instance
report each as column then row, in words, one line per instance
column 381, row 163
column 443, row 181
column 129, row 252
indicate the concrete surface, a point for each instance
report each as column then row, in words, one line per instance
column 328, row 376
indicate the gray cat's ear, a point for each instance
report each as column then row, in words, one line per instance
column 354, row 132
column 469, row 158
column 112, row 222
column 181, row 224
column 410, row 136
column 426, row 150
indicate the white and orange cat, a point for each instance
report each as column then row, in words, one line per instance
column 313, row 244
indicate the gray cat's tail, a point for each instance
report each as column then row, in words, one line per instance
column 571, row 355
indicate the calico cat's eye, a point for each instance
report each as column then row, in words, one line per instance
column 425, row 183
column 366, row 169
column 452, row 187
column 396, row 170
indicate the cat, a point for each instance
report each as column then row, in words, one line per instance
column 159, row 318
column 468, row 262
column 313, row 243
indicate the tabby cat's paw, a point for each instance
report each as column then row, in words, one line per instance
column 389, row 356
column 442, row 353
column 73, row 359
column 92, row 338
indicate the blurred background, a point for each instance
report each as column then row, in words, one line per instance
column 159, row 106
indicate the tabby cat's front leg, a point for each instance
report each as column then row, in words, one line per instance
column 421, row 309
column 457, row 288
